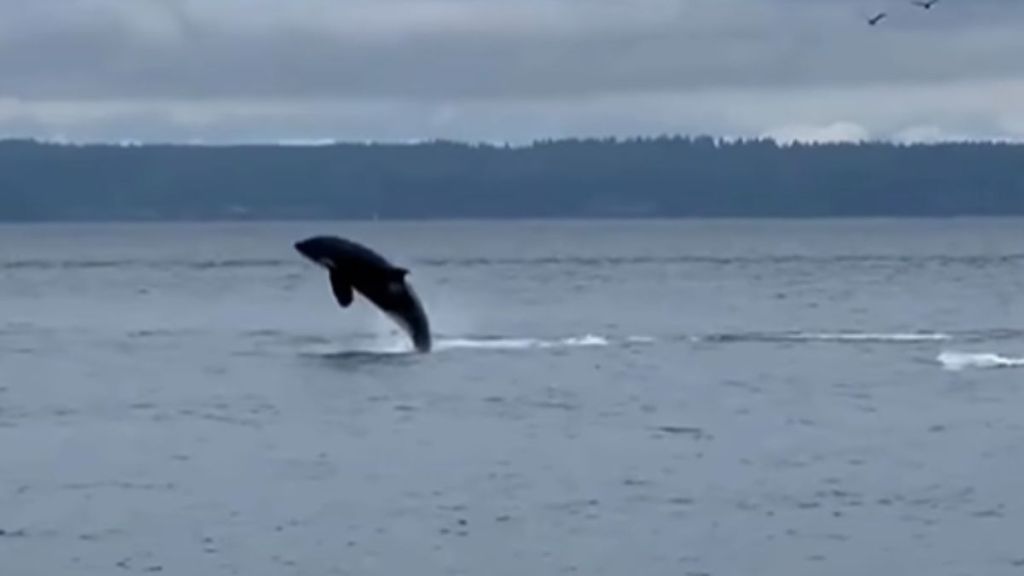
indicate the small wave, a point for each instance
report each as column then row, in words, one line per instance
column 146, row 333
column 588, row 340
column 973, row 260
column 45, row 264
column 964, row 360
column 992, row 334
column 877, row 337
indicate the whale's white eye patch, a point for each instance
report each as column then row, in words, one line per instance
column 395, row 287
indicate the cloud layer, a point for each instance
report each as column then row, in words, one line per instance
column 230, row 70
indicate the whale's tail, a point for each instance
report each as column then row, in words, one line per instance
column 413, row 319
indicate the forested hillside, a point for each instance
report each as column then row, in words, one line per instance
column 664, row 177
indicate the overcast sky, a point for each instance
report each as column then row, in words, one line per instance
column 508, row 70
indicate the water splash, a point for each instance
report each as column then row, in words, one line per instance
column 494, row 343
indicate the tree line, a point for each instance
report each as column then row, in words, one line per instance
column 667, row 177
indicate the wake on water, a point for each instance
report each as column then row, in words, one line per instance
column 394, row 342
column 949, row 360
column 587, row 340
column 398, row 346
column 383, row 340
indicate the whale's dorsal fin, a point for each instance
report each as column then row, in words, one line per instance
column 342, row 289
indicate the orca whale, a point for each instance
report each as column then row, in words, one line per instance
column 355, row 268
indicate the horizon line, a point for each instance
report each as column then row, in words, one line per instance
column 618, row 139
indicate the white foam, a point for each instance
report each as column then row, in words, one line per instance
column 872, row 336
column 487, row 343
column 965, row 360
column 641, row 339
column 586, row 340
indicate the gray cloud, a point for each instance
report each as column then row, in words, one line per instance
column 251, row 69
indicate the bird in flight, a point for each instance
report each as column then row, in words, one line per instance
column 876, row 18
column 926, row 4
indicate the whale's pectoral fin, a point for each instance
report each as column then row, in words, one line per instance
column 342, row 289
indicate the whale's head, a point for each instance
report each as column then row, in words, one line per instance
column 321, row 250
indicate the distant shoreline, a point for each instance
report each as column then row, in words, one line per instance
column 667, row 178
column 524, row 220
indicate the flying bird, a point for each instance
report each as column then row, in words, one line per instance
column 876, row 18
column 926, row 4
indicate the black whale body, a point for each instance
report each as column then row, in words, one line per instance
column 353, row 266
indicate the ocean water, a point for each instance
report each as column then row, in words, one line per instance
column 606, row 398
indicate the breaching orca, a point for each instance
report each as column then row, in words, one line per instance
column 353, row 266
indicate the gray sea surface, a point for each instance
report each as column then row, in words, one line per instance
column 605, row 398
